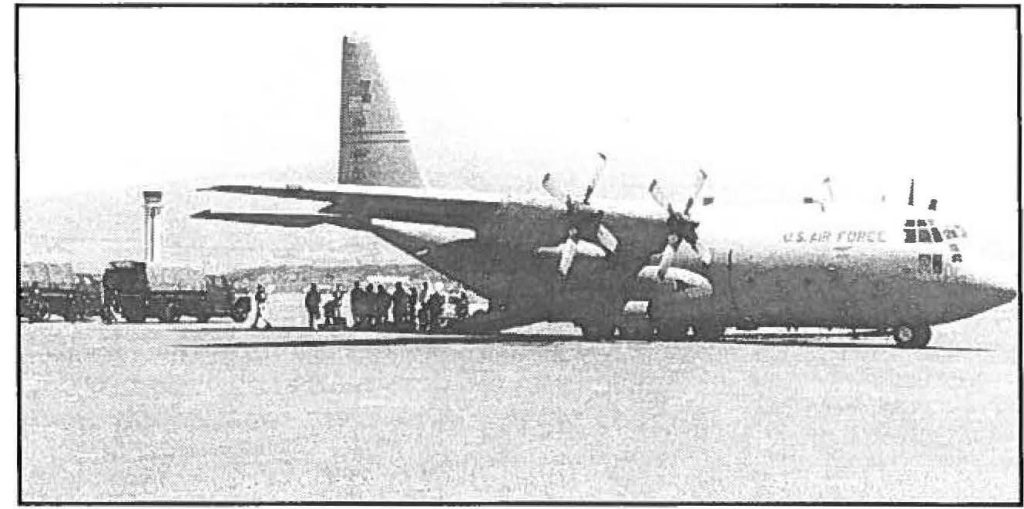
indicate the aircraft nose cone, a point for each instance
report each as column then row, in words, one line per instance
column 1004, row 294
column 995, row 289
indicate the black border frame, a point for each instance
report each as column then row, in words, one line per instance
column 514, row 5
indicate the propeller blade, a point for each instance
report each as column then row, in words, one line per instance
column 702, row 177
column 607, row 238
column 595, row 179
column 659, row 197
column 667, row 256
column 568, row 255
column 553, row 188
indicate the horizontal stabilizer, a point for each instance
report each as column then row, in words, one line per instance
column 392, row 204
column 286, row 220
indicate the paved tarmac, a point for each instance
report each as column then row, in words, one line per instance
column 211, row 412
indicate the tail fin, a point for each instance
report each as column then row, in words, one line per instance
column 374, row 148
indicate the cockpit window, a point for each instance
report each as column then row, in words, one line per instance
column 920, row 230
column 924, row 263
column 929, row 263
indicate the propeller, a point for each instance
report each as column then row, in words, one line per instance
column 588, row 236
column 827, row 184
column 682, row 223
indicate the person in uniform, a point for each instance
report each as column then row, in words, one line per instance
column 261, row 307
column 400, row 305
column 368, row 309
column 410, row 313
column 462, row 306
column 332, row 310
column 383, row 306
column 357, row 298
column 424, row 312
column 313, row 305
column 435, row 309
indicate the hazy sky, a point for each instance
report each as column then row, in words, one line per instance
column 769, row 101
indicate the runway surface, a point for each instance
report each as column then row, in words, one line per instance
column 210, row 412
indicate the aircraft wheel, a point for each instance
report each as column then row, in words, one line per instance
column 708, row 331
column 912, row 336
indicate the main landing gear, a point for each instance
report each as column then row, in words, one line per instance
column 912, row 335
column 645, row 331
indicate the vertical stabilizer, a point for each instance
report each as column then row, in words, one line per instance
column 374, row 148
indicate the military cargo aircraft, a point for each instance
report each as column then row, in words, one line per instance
column 691, row 265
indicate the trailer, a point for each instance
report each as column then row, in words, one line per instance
column 51, row 289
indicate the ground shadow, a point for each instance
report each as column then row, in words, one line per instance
column 399, row 339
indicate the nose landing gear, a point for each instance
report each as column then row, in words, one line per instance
column 912, row 336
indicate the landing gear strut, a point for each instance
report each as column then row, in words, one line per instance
column 912, row 336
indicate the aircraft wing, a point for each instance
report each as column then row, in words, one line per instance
column 361, row 202
column 525, row 222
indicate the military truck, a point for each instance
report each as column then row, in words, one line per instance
column 167, row 294
column 49, row 289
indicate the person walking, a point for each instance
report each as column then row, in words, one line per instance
column 261, row 308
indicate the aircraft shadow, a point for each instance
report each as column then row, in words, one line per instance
column 400, row 339
column 801, row 341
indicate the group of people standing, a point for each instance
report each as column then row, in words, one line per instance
column 376, row 308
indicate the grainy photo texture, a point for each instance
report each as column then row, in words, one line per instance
column 503, row 254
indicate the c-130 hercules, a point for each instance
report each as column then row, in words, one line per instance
column 896, row 269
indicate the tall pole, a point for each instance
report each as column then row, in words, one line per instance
column 151, row 205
